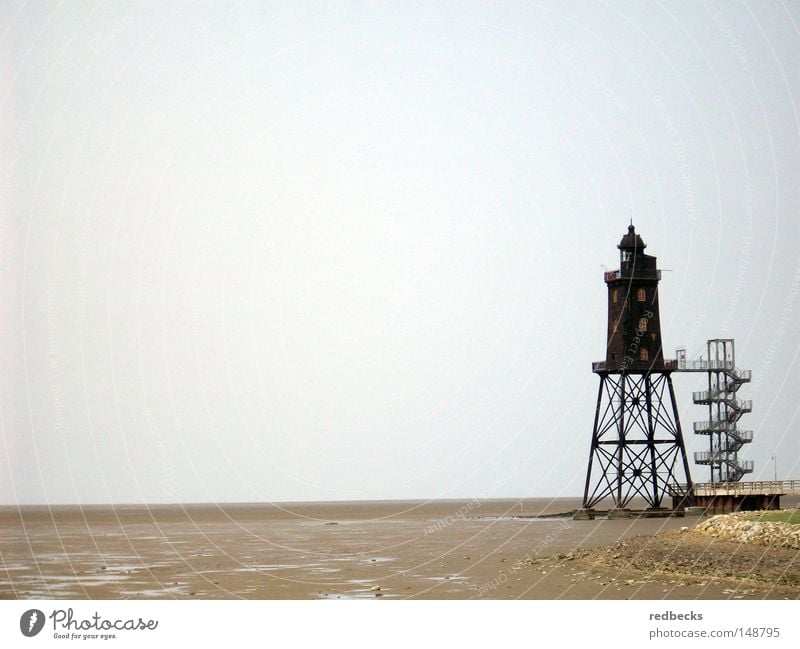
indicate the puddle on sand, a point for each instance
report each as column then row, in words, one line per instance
column 361, row 593
column 448, row 578
column 134, row 567
column 268, row 566
column 83, row 580
column 64, row 586
column 44, row 587
column 375, row 559
column 155, row 593
column 316, row 568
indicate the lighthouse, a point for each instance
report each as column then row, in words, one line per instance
column 637, row 449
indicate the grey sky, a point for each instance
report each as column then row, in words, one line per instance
column 290, row 251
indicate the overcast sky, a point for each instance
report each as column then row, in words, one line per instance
column 340, row 250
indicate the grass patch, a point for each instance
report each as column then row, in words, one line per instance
column 786, row 516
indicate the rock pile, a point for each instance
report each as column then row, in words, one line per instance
column 745, row 527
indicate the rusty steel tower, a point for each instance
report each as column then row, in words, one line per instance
column 637, row 447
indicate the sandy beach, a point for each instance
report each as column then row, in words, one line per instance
column 466, row 549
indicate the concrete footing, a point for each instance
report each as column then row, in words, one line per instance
column 587, row 514
column 583, row 515
column 618, row 513
column 660, row 512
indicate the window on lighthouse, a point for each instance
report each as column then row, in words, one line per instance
column 641, row 295
column 644, row 355
column 642, row 324
column 614, row 296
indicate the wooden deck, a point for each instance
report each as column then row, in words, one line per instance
column 757, row 488
column 726, row 497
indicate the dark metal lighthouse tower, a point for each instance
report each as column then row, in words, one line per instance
column 637, row 446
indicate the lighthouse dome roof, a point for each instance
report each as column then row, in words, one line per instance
column 631, row 240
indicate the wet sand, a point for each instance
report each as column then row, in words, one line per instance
column 429, row 550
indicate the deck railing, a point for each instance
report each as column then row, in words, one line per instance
column 702, row 365
column 721, row 396
column 612, row 275
column 715, row 425
column 761, row 487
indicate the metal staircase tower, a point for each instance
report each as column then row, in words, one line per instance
column 725, row 440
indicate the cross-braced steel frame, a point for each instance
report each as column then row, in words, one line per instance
column 637, row 444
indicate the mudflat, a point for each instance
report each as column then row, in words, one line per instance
column 460, row 549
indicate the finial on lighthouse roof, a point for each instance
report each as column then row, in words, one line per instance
column 632, row 240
